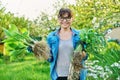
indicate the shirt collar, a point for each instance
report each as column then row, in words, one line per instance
column 57, row 32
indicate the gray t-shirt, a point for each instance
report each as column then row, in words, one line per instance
column 64, row 57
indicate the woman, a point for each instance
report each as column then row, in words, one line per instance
column 62, row 43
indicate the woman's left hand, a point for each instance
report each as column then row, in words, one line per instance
column 83, row 54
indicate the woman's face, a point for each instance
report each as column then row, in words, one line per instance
column 65, row 21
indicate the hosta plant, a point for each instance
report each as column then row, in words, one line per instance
column 19, row 42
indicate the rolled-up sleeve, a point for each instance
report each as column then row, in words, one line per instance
column 49, row 44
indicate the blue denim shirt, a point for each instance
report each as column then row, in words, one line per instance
column 53, row 42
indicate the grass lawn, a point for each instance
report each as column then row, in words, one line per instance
column 30, row 69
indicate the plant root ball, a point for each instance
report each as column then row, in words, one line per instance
column 41, row 49
column 75, row 66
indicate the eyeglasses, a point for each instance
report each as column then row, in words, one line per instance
column 65, row 18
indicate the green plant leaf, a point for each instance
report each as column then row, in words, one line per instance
column 13, row 28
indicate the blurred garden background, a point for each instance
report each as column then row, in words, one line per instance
column 95, row 18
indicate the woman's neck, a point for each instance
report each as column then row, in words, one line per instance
column 62, row 30
column 65, row 34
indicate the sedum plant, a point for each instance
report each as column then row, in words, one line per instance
column 94, row 40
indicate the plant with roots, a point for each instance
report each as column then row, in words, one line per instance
column 94, row 43
column 76, row 65
column 39, row 47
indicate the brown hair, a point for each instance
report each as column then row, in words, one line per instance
column 64, row 11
